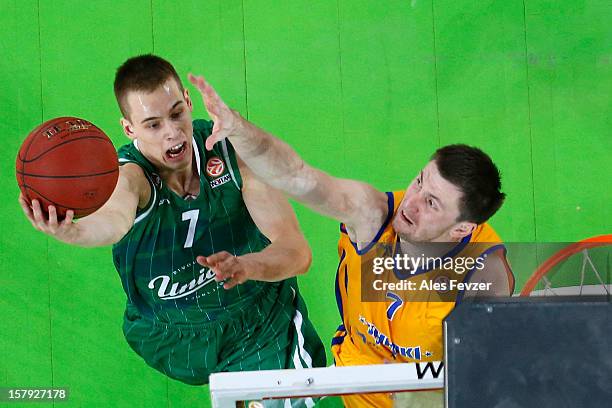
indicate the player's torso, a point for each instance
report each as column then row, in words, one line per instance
column 399, row 325
column 156, row 259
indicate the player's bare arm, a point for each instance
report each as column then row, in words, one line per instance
column 105, row 226
column 360, row 206
column 496, row 274
column 288, row 255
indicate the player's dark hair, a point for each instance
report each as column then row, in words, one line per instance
column 142, row 73
column 473, row 172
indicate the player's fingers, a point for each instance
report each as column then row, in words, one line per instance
column 211, row 140
column 218, row 257
column 202, row 261
column 36, row 210
column 52, row 224
column 222, row 275
column 204, row 88
column 211, row 98
column 216, row 128
column 212, row 263
column 67, row 222
column 200, row 84
column 237, row 279
column 229, row 284
column 230, row 264
column 27, row 210
column 211, row 94
column 226, row 269
column 39, row 218
column 195, row 81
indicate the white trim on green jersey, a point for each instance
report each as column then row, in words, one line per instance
column 151, row 202
column 229, row 163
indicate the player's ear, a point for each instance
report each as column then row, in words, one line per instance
column 127, row 128
column 188, row 99
column 462, row 229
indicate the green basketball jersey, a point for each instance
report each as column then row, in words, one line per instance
column 156, row 259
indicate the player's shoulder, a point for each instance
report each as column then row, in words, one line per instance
column 375, row 224
column 485, row 233
column 202, row 128
column 134, row 178
column 129, row 154
column 398, row 196
column 126, row 152
column 132, row 169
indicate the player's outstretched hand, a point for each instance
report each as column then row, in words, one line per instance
column 225, row 119
column 229, row 269
column 61, row 230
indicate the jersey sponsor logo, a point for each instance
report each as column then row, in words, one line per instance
column 176, row 290
column 382, row 339
column 214, row 167
column 220, row 181
column 164, row 201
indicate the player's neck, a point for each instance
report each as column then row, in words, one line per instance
column 429, row 248
column 184, row 182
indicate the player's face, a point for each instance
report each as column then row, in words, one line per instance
column 161, row 122
column 429, row 210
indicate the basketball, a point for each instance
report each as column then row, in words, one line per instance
column 69, row 163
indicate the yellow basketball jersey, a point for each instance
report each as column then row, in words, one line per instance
column 396, row 329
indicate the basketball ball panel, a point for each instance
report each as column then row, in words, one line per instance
column 42, row 145
column 57, row 131
column 35, row 143
column 82, row 156
column 84, row 195
column 31, row 195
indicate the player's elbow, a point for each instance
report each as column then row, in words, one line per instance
column 303, row 258
column 307, row 261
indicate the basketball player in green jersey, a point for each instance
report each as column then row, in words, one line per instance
column 207, row 254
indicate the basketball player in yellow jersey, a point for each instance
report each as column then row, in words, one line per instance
column 448, row 202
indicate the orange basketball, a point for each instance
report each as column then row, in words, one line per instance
column 69, row 163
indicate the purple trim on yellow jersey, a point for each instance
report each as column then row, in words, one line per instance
column 461, row 292
column 339, row 339
column 338, row 295
column 454, row 251
column 390, row 205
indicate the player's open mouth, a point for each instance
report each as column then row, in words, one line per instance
column 176, row 151
column 406, row 218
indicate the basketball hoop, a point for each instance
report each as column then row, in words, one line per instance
column 542, row 272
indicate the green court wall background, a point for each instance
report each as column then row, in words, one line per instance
column 363, row 89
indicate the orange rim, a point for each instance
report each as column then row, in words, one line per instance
column 593, row 242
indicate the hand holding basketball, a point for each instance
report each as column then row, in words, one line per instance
column 62, row 230
column 65, row 164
